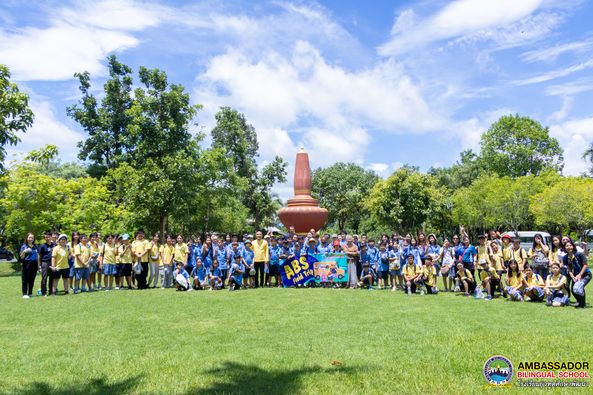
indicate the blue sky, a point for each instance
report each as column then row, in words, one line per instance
column 377, row 83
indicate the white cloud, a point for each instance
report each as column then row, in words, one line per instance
column 563, row 112
column 570, row 88
column 48, row 129
column 76, row 39
column 574, row 137
column 554, row 74
column 552, row 53
column 461, row 17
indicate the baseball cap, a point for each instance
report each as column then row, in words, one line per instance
column 125, row 236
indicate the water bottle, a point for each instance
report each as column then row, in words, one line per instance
column 38, row 292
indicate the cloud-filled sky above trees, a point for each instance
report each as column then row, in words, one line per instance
column 377, row 83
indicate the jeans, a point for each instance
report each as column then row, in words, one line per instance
column 28, row 276
column 45, row 277
column 154, row 274
column 166, row 276
column 260, row 276
column 141, row 278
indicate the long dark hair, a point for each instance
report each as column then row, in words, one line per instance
column 510, row 270
column 75, row 233
column 535, row 237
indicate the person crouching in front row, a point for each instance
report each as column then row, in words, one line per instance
column 429, row 276
column 533, row 285
column 200, row 275
column 555, row 289
column 215, row 276
column 236, row 273
column 514, row 280
column 367, row 276
column 489, row 278
column 466, row 279
column 182, row 279
column 412, row 274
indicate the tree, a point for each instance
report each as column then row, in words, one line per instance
column 565, row 205
column 405, row 201
column 108, row 142
column 238, row 140
column 461, row 174
column 517, row 146
column 15, row 114
column 588, row 156
column 342, row 189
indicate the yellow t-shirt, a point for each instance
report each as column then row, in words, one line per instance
column 260, row 251
column 154, row 252
column 554, row 281
column 117, row 257
column 81, row 253
column 430, row 273
column 411, row 270
column 167, row 251
column 515, row 281
column 61, row 255
column 125, row 256
column 482, row 254
column 491, row 272
column 534, row 281
column 520, row 256
column 465, row 273
column 554, row 256
column 109, row 253
column 496, row 261
column 180, row 251
column 95, row 249
column 139, row 247
column 506, row 252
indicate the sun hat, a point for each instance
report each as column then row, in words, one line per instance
column 125, row 236
column 63, row 236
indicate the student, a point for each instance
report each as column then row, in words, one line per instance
column 167, row 253
column 578, row 271
column 539, row 254
column 468, row 256
column 483, row 253
column 506, row 249
column 433, row 249
column 249, row 273
column 199, row 275
column 385, row 258
column 533, row 285
column 141, row 250
column 556, row 250
column 429, row 275
column 182, row 280
column 29, row 255
column 367, row 275
column 221, row 255
column 82, row 258
column 60, row 256
column 447, row 258
column 274, row 263
column 514, row 281
column 325, row 247
column 412, row 274
column 126, row 260
column 518, row 253
column 497, row 259
column 206, row 253
column 154, row 261
column 181, row 252
column 467, row 283
column 236, row 272
column 94, row 259
column 215, row 276
column 108, row 261
column 556, row 287
column 45, row 262
column 74, row 241
column 489, row 278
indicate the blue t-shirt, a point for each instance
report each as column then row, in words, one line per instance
column 433, row 249
column 30, row 256
column 384, row 260
column 415, row 252
column 215, row 272
column 310, row 250
column 206, row 254
column 237, row 270
column 248, row 256
column 45, row 252
column 324, row 248
column 468, row 256
column 221, row 256
column 374, row 253
column 200, row 272
column 365, row 257
column 183, row 272
column 275, row 255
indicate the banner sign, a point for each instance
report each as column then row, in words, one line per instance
column 331, row 268
column 298, row 271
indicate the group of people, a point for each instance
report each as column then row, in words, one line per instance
column 496, row 265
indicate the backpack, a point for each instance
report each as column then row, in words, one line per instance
column 540, row 261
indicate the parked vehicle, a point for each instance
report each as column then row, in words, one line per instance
column 527, row 238
column 6, row 254
column 588, row 238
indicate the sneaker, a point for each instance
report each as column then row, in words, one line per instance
column 466, row 294
column 488, row 297
column 457, row 289
column 392, row 289
column 232, row 288
column 117, row 288
column 76, row 291
column 189, row 290
column 371, row 288
column 421, row 292
column 409, row 291
column 26, row 297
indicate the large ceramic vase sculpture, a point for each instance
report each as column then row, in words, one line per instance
column 303, row 212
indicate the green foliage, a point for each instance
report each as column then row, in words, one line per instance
column 15, row 114
column 462, row 173
column 406, row 200
column 565, row 205
column 342, row 189
column 517, row 146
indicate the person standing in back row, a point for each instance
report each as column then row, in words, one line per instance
column 45, row 263
column 30, row 259
column 261, row 258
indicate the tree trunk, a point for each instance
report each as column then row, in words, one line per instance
column 163, row 227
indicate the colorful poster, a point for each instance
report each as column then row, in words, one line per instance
column 331, row 268
column 298, row 271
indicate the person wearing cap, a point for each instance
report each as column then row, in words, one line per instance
column 261, row 257
column 236, row 272
column 518, row 253
column 248, row 277
column 412, row 274
column 506, row 247
column 286, row 250
column 59, row 264
column 490, row 279
column 311, row 247
column 336, row 247
column 126, row 260
column 367, row 275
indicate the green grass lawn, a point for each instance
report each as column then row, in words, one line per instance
column 274, row 341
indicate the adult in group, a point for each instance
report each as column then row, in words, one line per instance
column 261, row 257
column 352, row 254
column 468, row 256
column 578, row 272
column 45, row 262
column 29, row 255
column 539, row 255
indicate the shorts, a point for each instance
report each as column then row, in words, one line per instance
column 397, row 272
column 384, row 275
column 82, row 273
column 118, row 269
column 224, row 273
column 126, row 269
column 109, row 269
column 63, row 273
column 273, row 270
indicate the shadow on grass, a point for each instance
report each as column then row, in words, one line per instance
column 236, row 378
column 92, row 387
